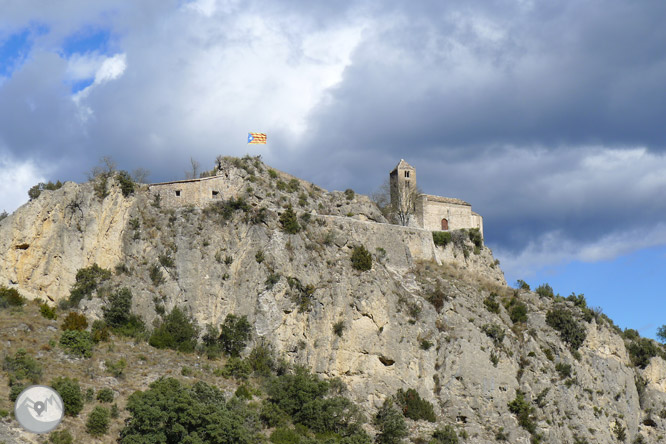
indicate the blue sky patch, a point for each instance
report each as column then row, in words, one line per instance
column 80, row 85
column 87, row 40
column 13, row 51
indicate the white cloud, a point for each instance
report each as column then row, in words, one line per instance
column 17, row 178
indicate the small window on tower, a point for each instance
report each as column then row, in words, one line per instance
column 406, row 173
column 215, row 193
column 177, row 192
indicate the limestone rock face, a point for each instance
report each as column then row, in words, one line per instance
column 417, row 319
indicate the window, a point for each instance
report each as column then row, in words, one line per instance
column 215, row 193
column 406, row 173
column 177, row 192
column 445, row 224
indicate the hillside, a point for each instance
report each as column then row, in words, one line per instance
column 496, row 363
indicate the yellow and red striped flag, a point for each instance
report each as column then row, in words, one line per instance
column 256, row 138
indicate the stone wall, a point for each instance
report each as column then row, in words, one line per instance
column 198, row 192
column 430, row 212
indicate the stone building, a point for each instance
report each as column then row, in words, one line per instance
column 421, row 210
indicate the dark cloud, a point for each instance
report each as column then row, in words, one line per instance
column 545, row 116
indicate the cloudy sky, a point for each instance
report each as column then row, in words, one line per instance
column 547, row 116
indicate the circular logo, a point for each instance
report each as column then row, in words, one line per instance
column 39, row 409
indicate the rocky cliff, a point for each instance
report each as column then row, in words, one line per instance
column 438, row 319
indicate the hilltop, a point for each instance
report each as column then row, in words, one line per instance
column 324, row 281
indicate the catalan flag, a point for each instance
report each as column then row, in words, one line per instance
column 256, row 138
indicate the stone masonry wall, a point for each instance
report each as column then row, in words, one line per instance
column 431, row 213
column 198, row 192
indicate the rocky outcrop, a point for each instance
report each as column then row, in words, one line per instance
column 416, row 319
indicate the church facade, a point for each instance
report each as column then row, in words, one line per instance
column 435, row 213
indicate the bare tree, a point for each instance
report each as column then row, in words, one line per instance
column 106, row 168
column 194, row 172
column 140, row 175
column 396, row 211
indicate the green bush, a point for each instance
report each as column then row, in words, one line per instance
column 70, row 392
column 441, row 238
column 87, row 282
column 35, row 191
column 178, row 331
column 226, row 209
column 563, row 369
column 283, row 435
column 641, row 351
column 236, row 368
column 571, row 330
column 522, row 285
column 22, row 367
column 494, row 332
column 491, row 303
column 390, row 424
column 261, row 360
column 349, row 194
column 98, row 421
column 415, row 407
column 361, row 258
column 196, row 413
column 61, row 437
column 77, row 343
column 156, row 275
column 126, row 183
column 118, row 314
column 234, row 334
column 47, row 311
column 447, row 435
column 99, row 331
column 74, row 321
column 105, row 395
column 273, row 174
column 10, row 297
column 524, row 412
column 289, row 221
column 545, row 291
column 517, row 311
column 475, row 237
column 117, row 368
column 339, row 328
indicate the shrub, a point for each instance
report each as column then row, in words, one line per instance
column 236, row 368
column 197, row 413
column 126, row 183
column 522, row 285
column 641, row 351
column 361, row 259
column 105, row 395
column 47, row 311
column 293, row 186
column 234, row 334
column 74, row 321
column 414, row 407
column 10, row 297
column 156, row 275
column 545, row 291
column 178, row 331
column 70, row 392
column 273, row 174
column 117, row 369
column 289, row 221
column 61, row 437
column 99, row 331
column 661, row 333
column 390, row 423
column 226, row 209
column 447, row 435
column 339, row 328
column 35, row 191
column 563, row 369
column 491, row 303
column 22, row 367
column 349, row 194
column 261, row 360
column 3, row 215
column 77, row 343
column 87, row 282
column 118, row 316
column 571, row 331
column 494, row 332
column 98, row 421
column 259, row 256
column 441, row 238
column 524, row 412
column 475, row 237
column 517, row 311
